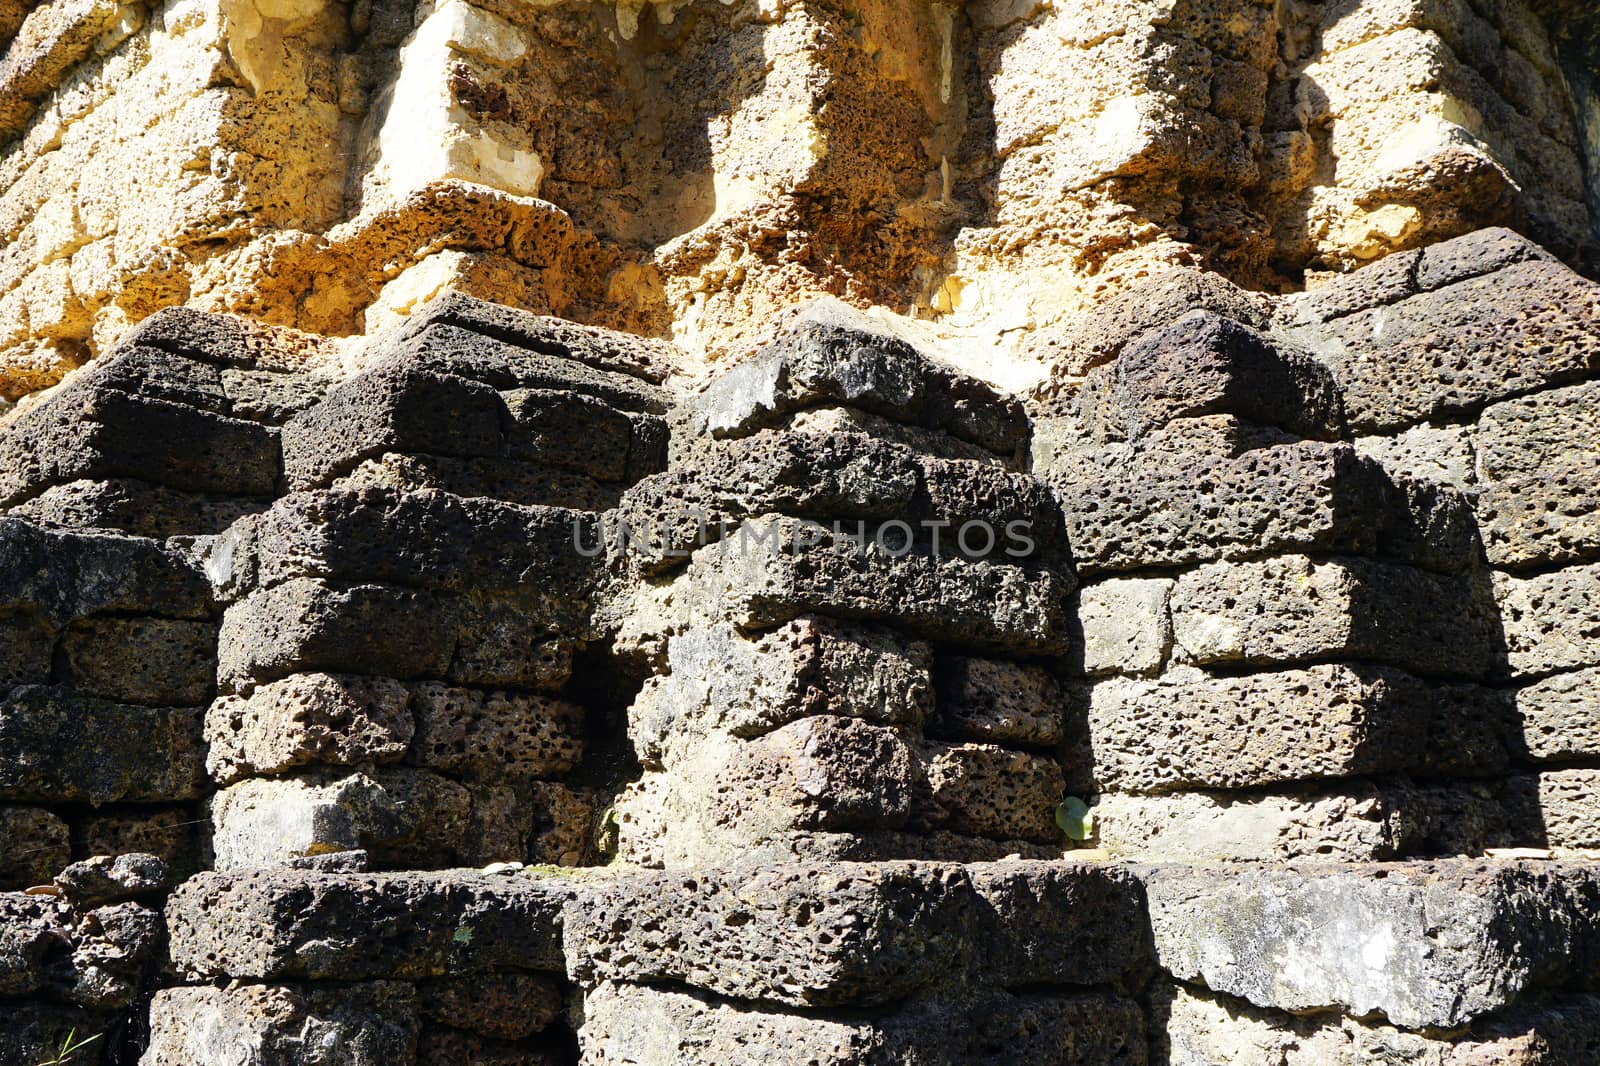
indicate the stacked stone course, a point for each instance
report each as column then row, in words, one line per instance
column 519, row 704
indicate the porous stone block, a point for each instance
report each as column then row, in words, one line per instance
column 58, row 747
column 137, row 507
column 987, row 790
column 1294, row 608
column 1560, row 716
column 1442, row 454
column 1457, row 348
column 442, row 348
column 641, row 357
column 1551, row 621
column 956, row 506
column 289, row 925
column 1166, row 510
column 1558, row 809
column 571, row 431
column 371, row 1024
column 1126, row 625
column 830, row 354
column 723, row 796
column 1203, row 1029
column 489, row 734
column 34, row 846
column 63, row 575
column 507, row 1006
column 1188, row 730
column 769, row 571
column 170, row 833
column 1148, row 304
column 994, row 701
column 398, row 816
column 95, row 432
column 720, row 680
column 1540, row 497
column 304, row 625
column 1423, row 945
column 502, row 479
column 1206, row 364
column 876, row 932
column 427, row 539
column 1355, row 822
column 639, row 1024
column 103, row 879
column 96, row 959
column 308, row 719
column 142, row 660
column 395, row 407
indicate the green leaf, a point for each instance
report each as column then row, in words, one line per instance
column 1075, row 818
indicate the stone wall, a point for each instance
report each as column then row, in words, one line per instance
column 1226, row 700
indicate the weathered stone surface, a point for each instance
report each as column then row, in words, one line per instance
column 1560, row 716
column 1203, row 1029
column 603, row 349
column 571, row 431
column 401, row 817
column 273, row 925
column 987, row 790
column 1204, row 364
column 1189, row 730
column 877, row 932
column 1557, row 809
column 1405, row 274
column 1294, row 608
column 427, row 539
column 486, row 735
column 1457, row 348
column 57, row 747
column 1126, row 624
column 96, row 959
column 442, row 348
column 1168, row 510
column 106, row 879
column 142, row 660
column 33, row 846
column 93, row 431
column 308, row 719
column 1442, row 454
column 746, row 686
column 283, row 1025
column 722, row 796
column 508, row 1006
column 829, row 354
column 846, row 478
column 503, row 479
column 137, row 507
column 990, row 700
column 63, row 576
column 1149, row 304
column 1540, row 498
column 393, row 408
column 655, row 1027
column 1552, row 621
column 1355, row 822
column 1425, row 945
column 772, row 570
column 304, row 625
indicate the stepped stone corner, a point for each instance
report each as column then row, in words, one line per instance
column 816, row 532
